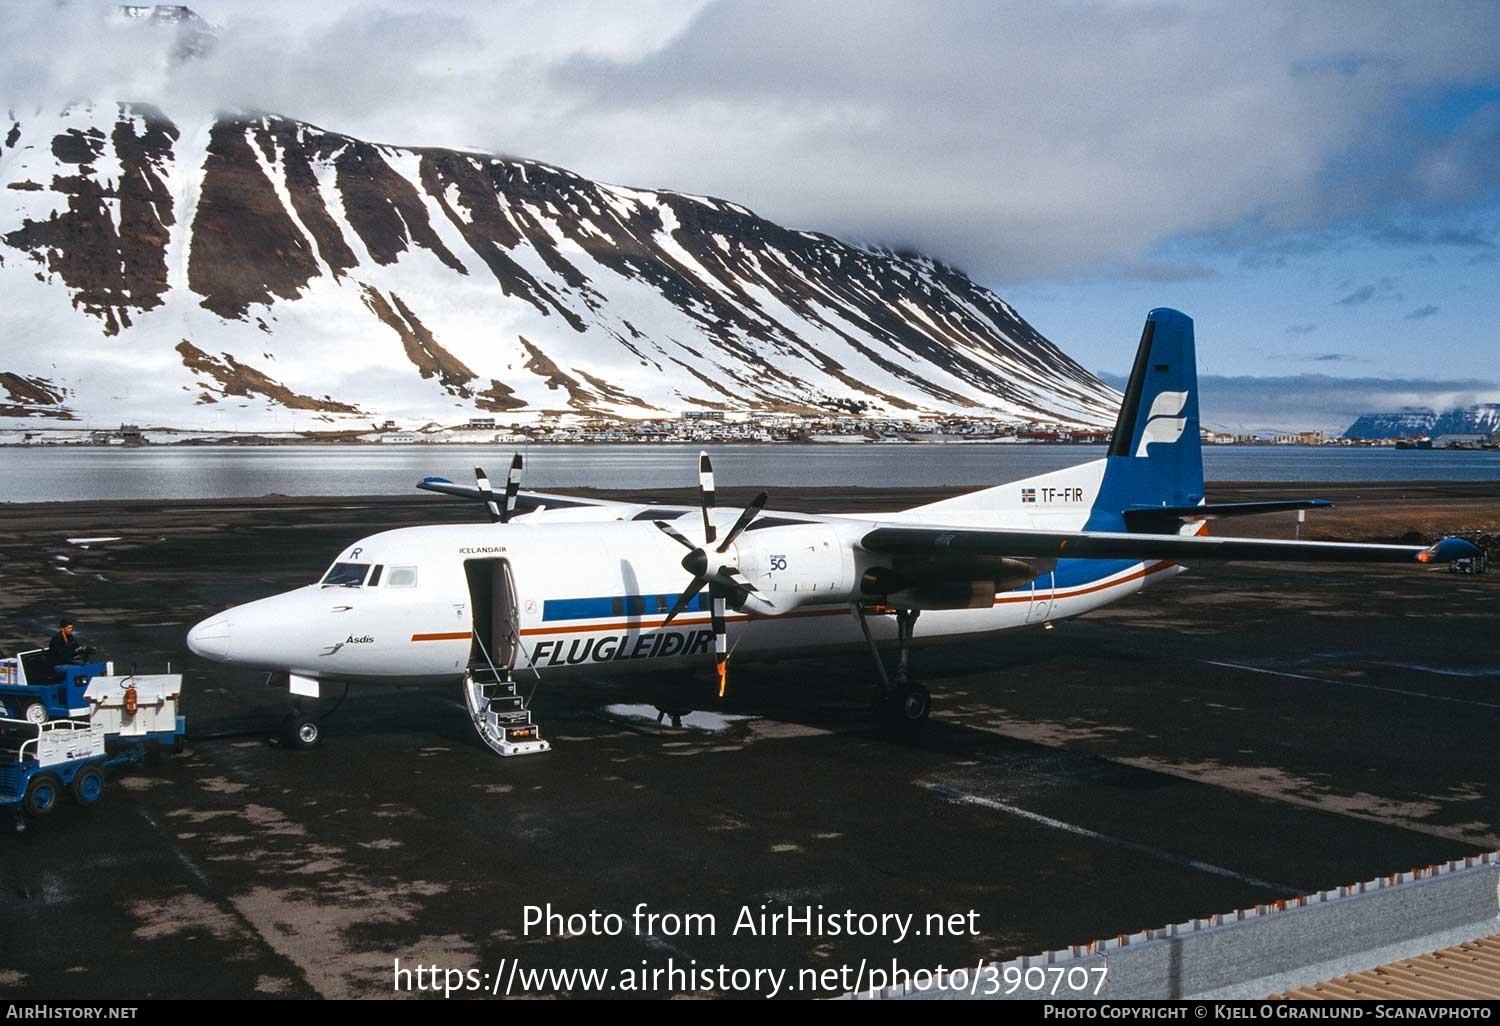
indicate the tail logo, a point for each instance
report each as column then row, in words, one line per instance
column 1164, row 423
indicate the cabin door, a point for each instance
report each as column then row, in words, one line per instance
column 492, row 597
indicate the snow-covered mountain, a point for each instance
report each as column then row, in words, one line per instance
column 1479, row 419
column 1417, row 422
column 1408, row 422
column 254, row 272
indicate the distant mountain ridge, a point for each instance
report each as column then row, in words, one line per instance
column 1416, row 422
column 246, row 271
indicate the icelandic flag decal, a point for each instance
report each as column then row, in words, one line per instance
column 1028, row 494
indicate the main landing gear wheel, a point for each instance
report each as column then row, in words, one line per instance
column 901, row 705
column 902, row 712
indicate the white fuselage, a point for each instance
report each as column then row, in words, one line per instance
column 590, row 595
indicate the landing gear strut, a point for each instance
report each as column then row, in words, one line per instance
column 900, row 704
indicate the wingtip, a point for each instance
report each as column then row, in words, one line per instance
column 1447, row 550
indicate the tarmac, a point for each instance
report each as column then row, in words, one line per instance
column 1235, row 735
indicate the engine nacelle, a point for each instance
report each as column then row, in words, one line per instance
column 944, row 595
column 796, row 565
column 939, row 584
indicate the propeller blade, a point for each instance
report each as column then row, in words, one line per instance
column 706, row 496
column 740, row 580
column 685, row 599
column 672, row 532
column 512, row 488
column 721, row 637
column 751, row 512
column 483, row 481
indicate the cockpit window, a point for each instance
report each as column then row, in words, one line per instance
column 346, row 575
column 374, row 576
column 402, row 577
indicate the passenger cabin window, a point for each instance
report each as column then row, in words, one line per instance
column 346, row 575
column 402, row 577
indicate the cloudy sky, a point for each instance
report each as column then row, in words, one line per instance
column 1317, row 184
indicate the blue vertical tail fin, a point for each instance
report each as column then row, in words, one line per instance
column 1155, row 456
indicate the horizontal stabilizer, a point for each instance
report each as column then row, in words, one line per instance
column 1145, row 517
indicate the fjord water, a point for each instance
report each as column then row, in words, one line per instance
column 56, row 474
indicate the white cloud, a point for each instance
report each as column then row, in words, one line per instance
column 1018, row 141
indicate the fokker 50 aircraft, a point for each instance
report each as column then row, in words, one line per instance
column 556, row 585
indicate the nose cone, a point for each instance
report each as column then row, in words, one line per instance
column 292, row 631
column 210, row 639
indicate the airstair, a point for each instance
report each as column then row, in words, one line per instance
column 500, row 712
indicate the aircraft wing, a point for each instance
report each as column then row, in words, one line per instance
column 526, row 502
column 916, row 540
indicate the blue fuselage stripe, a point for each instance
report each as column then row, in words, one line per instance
column 1072, row 573
column 1069, row 573
column 1077, row 573
column 599, row 607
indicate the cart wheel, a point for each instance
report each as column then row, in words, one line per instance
column 88, row 786
column 36, row 712
column 302, row 732
column 41, row 795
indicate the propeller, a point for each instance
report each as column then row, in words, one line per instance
column 725, row 583
column 501, row 513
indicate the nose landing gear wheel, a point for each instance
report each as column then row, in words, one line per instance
column 302, row 732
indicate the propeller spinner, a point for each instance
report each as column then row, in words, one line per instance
column 725, row 583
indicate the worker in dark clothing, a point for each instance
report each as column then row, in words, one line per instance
column 65, row 649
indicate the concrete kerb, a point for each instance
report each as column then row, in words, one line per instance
column 1256, row 951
